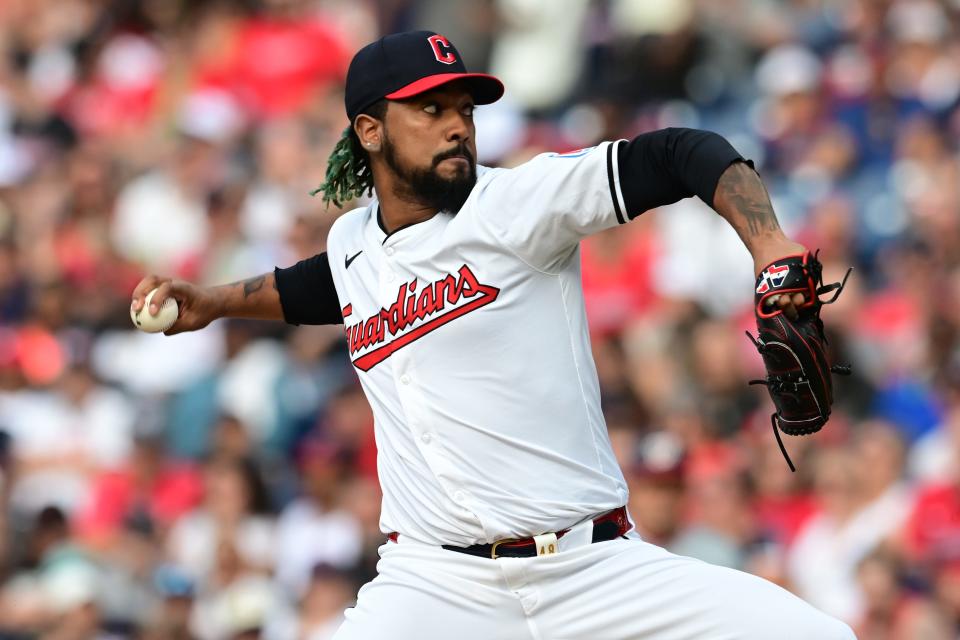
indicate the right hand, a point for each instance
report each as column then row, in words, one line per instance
column 199, row 306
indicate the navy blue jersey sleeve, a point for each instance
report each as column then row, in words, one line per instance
column 307, row 292
column 662, row 167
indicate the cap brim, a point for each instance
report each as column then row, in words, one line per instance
column 484, row 88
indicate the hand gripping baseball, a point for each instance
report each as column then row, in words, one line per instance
column 197, row 306
column 794, row 350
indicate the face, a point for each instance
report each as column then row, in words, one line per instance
column 658, row 506
column 226, row 491
column 429, row 147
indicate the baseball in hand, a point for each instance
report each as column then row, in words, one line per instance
column 166, row 315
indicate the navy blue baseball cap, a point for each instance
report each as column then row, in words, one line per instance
column 402, row 65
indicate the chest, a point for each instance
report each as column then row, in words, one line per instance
column 409, row 297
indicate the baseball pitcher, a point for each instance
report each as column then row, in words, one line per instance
column 458, row 288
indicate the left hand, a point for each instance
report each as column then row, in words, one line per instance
column 770, row 252
column 789, row 304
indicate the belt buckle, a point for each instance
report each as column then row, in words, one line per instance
column 544, row 545
column 493, row 549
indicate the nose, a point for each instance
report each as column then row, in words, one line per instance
column 457, row 127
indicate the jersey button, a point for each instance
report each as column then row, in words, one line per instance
column 391, row 276
column 405, row 379
column 426, row 438
column 389, row 251
column 459, row 497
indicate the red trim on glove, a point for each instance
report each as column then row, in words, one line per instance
column 809, row 291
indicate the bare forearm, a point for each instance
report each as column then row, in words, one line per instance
column 743, row 201
column 255, row 298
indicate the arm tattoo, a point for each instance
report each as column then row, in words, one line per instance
column 748, row 206
column 252, row 285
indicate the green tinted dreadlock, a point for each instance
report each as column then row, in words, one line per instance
column 348, row 168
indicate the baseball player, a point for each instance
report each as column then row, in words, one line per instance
column 459, row 291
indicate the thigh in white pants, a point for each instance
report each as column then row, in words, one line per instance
column 625, row 589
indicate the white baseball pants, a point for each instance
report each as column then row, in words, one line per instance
column 625, row 589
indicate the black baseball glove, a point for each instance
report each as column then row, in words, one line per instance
column 794, row 351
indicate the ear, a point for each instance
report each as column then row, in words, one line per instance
column 370, row 132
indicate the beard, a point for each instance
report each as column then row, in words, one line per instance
column 427, row 187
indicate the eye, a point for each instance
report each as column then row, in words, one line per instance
column 432, row 108
column 468, row 110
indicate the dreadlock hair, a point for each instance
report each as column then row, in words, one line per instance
column 348, row 168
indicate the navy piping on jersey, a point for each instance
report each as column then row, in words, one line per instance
column 613, row 186
column 390, row 233
column 400, row 228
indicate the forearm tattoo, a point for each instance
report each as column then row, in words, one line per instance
column 742, row 199
column 252, row 285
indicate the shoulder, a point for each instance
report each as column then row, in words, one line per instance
column 349, row 223
column 352, row 220
column 549, row 162
column 545, row 178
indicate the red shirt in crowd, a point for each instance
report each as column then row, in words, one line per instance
column 176, row 489
column 617, row 273
column 274, row 66
column 782, row 516
column 933, row 527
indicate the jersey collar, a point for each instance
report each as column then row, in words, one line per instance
column 377, row 235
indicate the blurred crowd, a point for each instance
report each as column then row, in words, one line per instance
column 222, row 484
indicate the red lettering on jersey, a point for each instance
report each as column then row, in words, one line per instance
column 354, row 334
column 370, row 330
column 425, row 305
column 443, row 288
column 408, row 315
column 442, row 49
column 386, row 327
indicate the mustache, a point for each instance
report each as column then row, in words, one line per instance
column 460, row 150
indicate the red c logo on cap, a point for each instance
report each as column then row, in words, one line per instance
column 442, row 49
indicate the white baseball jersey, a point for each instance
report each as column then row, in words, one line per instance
column 469, row 336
